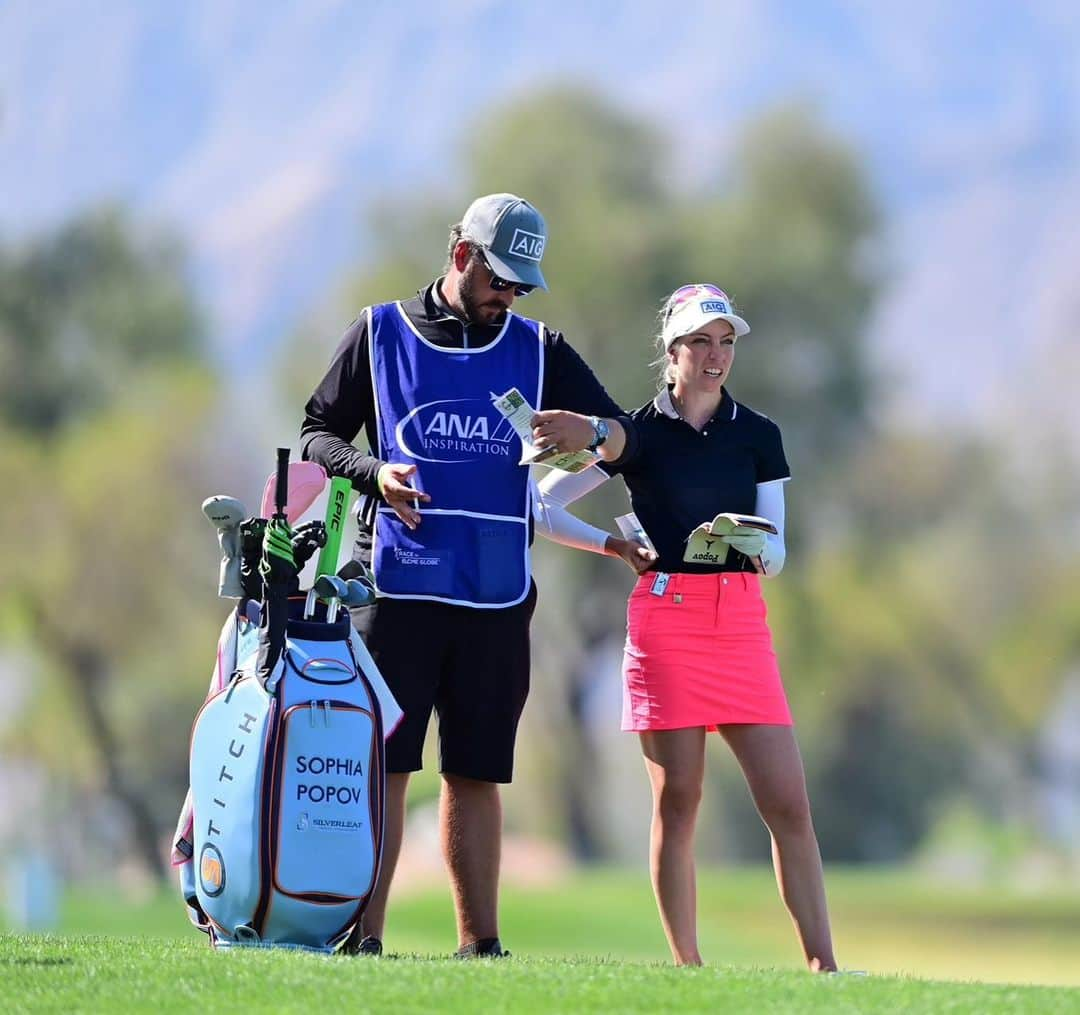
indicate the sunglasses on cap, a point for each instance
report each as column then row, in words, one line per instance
column 501, row 285
column 688, row 292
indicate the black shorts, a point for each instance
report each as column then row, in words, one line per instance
column 470, row 665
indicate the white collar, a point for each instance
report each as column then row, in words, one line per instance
column 665, row 404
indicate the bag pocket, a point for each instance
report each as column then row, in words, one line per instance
column 328, row 812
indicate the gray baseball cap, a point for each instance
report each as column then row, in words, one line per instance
column 512, row 233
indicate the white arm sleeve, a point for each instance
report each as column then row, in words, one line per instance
column 770, row 504
column 554, row 522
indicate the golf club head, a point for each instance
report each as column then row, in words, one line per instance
column 224, row 512
column 359, row 593
column 330, row 586
column 306, row 482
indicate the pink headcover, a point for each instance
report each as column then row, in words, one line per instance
column 306, row 482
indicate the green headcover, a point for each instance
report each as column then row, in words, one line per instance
column 278, row 570
column 278, row 560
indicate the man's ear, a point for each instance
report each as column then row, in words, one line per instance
column 462, row 253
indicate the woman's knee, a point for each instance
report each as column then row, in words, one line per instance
column 787, row 814
column 678, row 798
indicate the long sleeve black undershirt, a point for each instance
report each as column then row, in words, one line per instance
column 343, row 403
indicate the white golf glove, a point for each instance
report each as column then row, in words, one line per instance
column 746, row 540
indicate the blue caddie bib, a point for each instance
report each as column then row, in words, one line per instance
column 434, row 410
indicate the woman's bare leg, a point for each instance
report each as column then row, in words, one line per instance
column 770, row 760
column 675, row 761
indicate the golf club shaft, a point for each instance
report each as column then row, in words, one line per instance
column 337, row 508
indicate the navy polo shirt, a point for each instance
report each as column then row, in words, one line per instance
column 681, row 477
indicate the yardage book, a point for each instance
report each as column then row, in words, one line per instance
column 518, row 412
column 705, row 547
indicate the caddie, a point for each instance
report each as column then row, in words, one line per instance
column 447, row 524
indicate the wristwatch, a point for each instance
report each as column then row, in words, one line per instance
column 600, row 432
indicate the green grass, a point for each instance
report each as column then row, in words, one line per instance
column 98, row 974
column 592, row 943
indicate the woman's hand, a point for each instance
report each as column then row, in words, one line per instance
column 638, row 557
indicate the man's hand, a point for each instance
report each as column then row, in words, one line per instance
column 393, row 480
column 570, row 431
column 638, row 557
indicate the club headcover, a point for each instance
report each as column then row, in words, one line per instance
column 278, row 564
column 307, row 538
column 252, row 531
column 306, row 482
column 224, row 512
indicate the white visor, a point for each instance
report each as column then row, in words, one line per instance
column 692, row 307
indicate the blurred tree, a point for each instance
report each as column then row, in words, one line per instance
column 83, row 307
column 102, row 427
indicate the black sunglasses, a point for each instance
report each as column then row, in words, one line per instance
column 501, row 285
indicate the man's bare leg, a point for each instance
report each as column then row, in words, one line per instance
column 374, row 921
column 470, row 822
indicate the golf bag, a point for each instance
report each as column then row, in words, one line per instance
column 280, row 840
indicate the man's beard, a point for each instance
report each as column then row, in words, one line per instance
column 475, row 311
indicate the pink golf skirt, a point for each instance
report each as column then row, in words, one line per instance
column 701, row 654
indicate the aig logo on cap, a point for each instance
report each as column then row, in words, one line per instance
column 527, row 245
column 714, row 307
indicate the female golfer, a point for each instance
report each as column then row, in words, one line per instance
column 698, row 653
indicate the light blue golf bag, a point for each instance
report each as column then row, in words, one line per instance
column 281, row 839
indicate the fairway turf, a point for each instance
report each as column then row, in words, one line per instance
column 100, row 974
column 590, row 943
